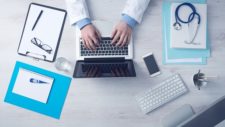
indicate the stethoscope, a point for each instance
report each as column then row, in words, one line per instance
column 177, row 25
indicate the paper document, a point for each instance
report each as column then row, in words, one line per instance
column 33, row 85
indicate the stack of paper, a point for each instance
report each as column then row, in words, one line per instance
column 180, row 56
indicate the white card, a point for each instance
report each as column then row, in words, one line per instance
column 33, row 85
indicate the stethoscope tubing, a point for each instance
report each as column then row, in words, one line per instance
column 191, row 16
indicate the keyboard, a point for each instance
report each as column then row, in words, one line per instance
column 168, row 90
column 104, row 49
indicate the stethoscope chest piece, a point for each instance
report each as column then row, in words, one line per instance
column 177, row 26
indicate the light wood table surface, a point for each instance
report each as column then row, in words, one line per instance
column 109, row 102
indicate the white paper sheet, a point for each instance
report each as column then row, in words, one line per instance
column 36, row 91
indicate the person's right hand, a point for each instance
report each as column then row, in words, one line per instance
column 90, row 36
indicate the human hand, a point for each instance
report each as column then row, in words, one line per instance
column 90, row 36
column 121, row 34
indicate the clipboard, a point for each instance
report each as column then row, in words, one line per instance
column 42, row 32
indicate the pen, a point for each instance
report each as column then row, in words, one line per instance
column 39, row 16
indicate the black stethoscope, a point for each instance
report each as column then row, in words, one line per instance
column 177, row 25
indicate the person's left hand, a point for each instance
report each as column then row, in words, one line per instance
column 121, row 34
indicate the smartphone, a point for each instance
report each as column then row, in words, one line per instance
column 151, row 64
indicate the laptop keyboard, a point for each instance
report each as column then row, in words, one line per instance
column 105, row 49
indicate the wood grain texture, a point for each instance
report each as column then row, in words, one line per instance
column 109, row 102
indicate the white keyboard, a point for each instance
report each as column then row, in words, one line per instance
column 161, row 94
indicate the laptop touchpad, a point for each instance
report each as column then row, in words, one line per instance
column 104, row 27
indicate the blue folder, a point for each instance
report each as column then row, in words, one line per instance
column 182, row 53
column 166, row 47
column 56, row 99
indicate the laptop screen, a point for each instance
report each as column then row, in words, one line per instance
column 104, row 69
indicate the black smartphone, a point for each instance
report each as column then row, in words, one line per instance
column 151, row 64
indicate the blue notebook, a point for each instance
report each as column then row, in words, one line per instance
column 183, row 53
column 56, row 98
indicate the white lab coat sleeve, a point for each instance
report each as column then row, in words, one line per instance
column 77, row 10
column 135, row 9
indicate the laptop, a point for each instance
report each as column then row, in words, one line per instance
column 107, row 60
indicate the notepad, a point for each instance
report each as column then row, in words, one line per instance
column 188, row 31
column 38, row 91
